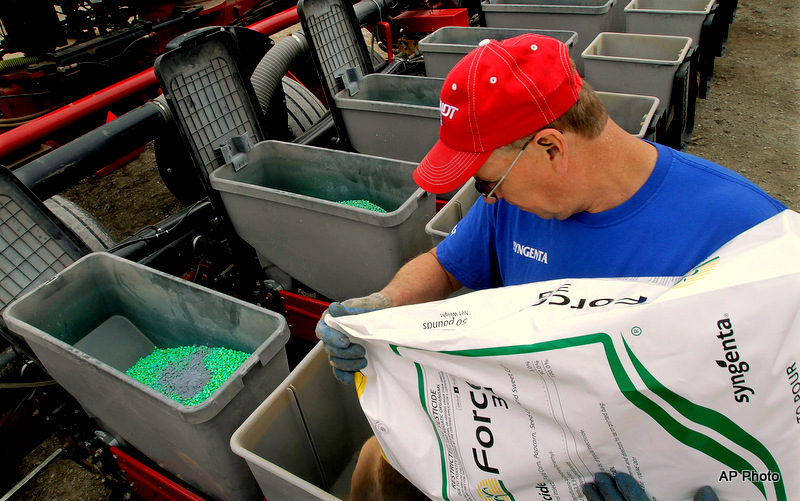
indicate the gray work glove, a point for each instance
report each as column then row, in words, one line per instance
column 622, row 487
column 346, row 357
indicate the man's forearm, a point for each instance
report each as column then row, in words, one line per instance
column 420, row 280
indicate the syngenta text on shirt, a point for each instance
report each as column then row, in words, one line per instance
column 529, row 252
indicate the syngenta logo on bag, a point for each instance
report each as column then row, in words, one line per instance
column 732, row 361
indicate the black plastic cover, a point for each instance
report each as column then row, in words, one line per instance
column 334, row 35
column 209, row 99
column 34, row 244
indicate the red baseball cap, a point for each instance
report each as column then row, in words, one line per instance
column 498, row 93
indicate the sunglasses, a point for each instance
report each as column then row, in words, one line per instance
column 487, row 188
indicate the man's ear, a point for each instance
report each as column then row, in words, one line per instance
column 553, row 142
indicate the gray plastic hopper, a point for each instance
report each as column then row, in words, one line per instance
column 446, row 46
column 632, row 63
column 302, row 443
column 453, row 211
column 636, row 114
column 98, row 316
column 668, row 17
column 285, row 204
column 392, row 116
column 585, row 17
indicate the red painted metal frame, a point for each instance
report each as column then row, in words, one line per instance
column 302, row 314
column 387, row 35
column 428, row 21
column 40, row 128
column 148, row 483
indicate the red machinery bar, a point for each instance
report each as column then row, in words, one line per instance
column 428, row 20
column 40, row 128
column 275, row 23
column 45, row 125
column 150, row 484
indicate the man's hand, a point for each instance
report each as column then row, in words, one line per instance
column 346, row 357
column 622, row 487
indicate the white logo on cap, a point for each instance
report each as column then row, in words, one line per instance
column 447, row 110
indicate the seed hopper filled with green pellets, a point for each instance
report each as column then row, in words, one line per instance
column 187, row 374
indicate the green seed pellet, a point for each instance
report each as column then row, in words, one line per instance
column 187, row 374
column 363, row 204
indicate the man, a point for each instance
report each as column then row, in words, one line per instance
column 566, row 191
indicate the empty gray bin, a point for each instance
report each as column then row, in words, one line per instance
column 668, row 17
column 632, row 63
column 392, row 116
column 302, row 443
column 454, row 210
column 125, row 308
column 446, row 46
column 284, row 203
column 631, row 112
column 585, row 17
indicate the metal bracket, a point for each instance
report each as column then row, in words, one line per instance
column 350, row 77
column 234, row 150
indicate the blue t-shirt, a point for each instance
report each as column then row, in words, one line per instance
column 688, row 208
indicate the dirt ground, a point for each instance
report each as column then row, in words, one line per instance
column 127, row 199
column 749, row 123
column 62, row 479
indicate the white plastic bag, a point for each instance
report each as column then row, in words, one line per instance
column 523, row 392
